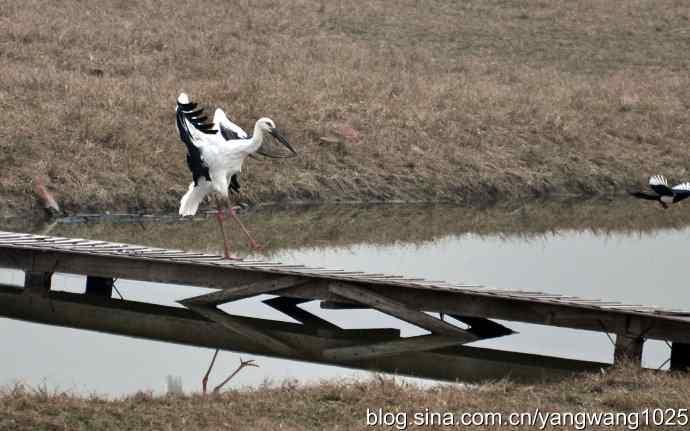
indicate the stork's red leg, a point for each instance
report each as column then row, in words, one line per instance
column 226, row 246
column 250, row 240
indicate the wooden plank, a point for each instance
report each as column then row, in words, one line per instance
column 172, row 254
column 242, row 263
column 209, row 259
column 93, row 243
column 419, row 343
column 4, row 235
column 483, row 328
column 64, row 242
column 342, row 305
column 245, row 291
column 370, row 334
column 26, row 241
column 96, row 249
column 127, row 267
column 270, row 342
column 399, row 310
column 103, row 246
column 290, row 307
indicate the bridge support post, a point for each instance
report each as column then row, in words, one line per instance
column 680, row 357
column 628, row 349
column 99, row 286
column 38, row 282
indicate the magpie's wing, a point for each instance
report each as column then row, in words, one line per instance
column 644, row 195
column 659, row 184
column 228, row 129
column 681, row 191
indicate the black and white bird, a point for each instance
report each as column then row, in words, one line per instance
column 662, row 193
column 215, row 154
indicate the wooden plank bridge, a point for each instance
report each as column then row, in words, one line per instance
column 440, row 354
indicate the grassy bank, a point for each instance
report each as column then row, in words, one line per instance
column 470, row 101
column 340, row 405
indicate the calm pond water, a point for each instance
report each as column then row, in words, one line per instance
column 631, row 253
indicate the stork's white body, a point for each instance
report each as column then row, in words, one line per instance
column 224, row 158
column 215, row 154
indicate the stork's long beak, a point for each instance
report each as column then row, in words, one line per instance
column 280, row 138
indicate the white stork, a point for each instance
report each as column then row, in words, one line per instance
column 662, row 193
column 215, row 153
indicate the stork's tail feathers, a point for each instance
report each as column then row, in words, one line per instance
column 191, row 200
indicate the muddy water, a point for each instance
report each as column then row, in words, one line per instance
column 610, row 250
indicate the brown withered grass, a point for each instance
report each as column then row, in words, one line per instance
column 342, row 405
column 453, row 101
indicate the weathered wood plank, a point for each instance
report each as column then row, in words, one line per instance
column 483, row 328
column 419, row 343
column 127, row 267
column 290, row 307
column 368, row 334
column 245, row 291
column 399, row 310
column 342, row 305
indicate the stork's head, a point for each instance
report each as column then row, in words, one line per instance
column 266, row 125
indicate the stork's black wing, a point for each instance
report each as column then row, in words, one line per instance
column 188, row 116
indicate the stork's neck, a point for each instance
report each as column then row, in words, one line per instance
column 257, row 138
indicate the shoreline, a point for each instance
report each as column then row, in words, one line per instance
column 343, row 404
column 36, row 211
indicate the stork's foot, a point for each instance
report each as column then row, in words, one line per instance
column 256, row 246
column 227, row 254
column 231, row 256
column 251, row 242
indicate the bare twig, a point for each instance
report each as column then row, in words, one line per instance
column 249, row 363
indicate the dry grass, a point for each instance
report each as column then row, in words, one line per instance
column 454, row 101
column 338, row 405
